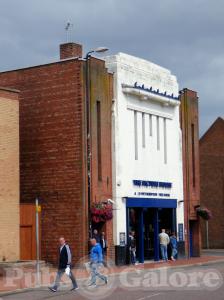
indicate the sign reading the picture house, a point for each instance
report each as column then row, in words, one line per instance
column 154, row 185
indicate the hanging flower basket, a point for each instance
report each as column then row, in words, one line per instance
column 204, row 213
column 101, row 212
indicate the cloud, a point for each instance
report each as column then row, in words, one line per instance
column 184, row 36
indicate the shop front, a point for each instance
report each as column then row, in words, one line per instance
column 146, row 217
column 147, row 156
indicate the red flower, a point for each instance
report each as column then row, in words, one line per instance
column 204, row 213
column 101, row 212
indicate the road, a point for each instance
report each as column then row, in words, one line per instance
column 198, row 282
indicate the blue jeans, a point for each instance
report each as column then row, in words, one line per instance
column 95, row 273
column 174, row 252
column 163, row 249
column 133, row 255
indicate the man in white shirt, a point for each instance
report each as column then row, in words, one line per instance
column 163, row 242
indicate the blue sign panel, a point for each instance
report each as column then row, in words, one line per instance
column 153, row 184
column 181, row 232
column 151, row 202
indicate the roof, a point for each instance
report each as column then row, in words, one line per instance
column 8, row 90
column 218, row 122
column 133, row 60
column 9, row 94
column 43, row 65
column 140, row 72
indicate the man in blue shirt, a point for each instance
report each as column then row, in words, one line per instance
column 96, row 258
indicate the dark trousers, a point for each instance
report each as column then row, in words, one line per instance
column 58, row 278
column 132, row 256
column 104, row 252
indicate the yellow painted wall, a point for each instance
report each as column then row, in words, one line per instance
column 9, row 178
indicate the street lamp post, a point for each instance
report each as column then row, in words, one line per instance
column 37, row 242
column 88, row 129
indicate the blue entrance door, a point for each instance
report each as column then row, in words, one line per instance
column 138, row 204
column 141, row 235
column 156, row 234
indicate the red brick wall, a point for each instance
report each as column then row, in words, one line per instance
column 212, row 182
column 101, row 91
column 69, row 50
column 53, row 145
column 51, row 148
column 191, row 174
column 11, row 94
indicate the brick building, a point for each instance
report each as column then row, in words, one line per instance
column 53, row 148
column 191, row 171
column 53, row 143
column 9, row 175
column 212, row 182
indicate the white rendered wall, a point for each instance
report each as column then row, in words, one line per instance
column 150, row 164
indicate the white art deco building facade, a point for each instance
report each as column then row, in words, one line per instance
column 147, row 154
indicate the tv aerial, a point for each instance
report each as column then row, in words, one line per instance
column 69, row 30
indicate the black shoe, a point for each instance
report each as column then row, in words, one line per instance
column 52, row 289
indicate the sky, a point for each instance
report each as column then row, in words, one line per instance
column 186, row 37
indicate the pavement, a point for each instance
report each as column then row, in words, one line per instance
column 177, row 280
column 213, row 252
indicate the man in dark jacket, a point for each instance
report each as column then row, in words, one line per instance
column 96, row 235
column 64, row 266
column 103, row 244
column 132, row 247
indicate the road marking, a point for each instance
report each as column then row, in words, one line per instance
column 150, row 296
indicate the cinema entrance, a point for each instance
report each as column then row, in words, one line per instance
column 146, row 217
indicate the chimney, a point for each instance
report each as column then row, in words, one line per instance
column 70, row 50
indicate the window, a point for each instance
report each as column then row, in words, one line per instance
column 193, row 153
column 165, row 140
column 136, row 134
column 150, row 125
column 143, row 130
column 99, row 157
column 158, row 133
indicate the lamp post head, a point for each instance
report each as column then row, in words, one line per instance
column 101, row 49
column 97, row 50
